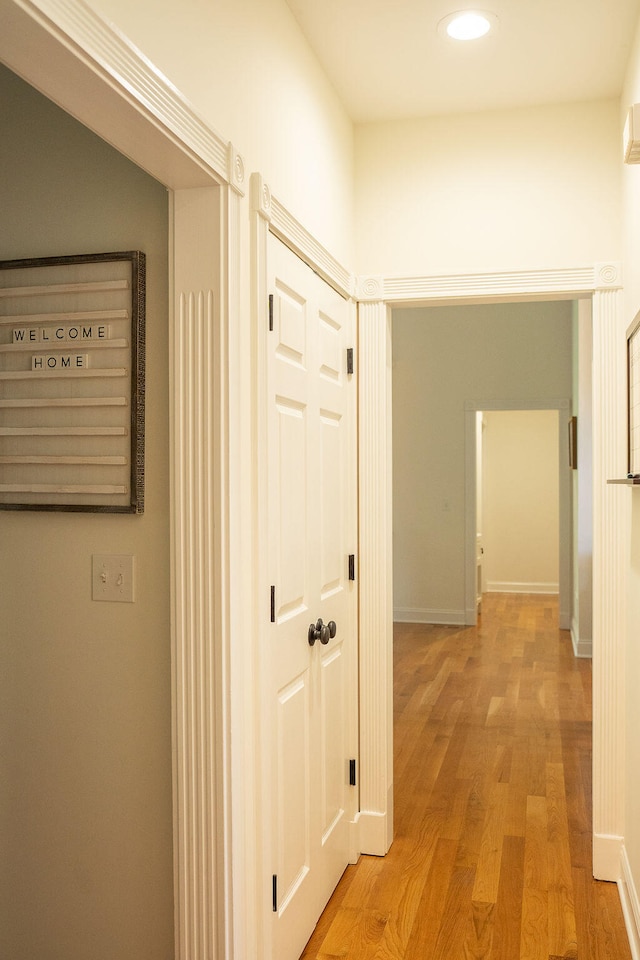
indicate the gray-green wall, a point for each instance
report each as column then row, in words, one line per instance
column 443, row 356
column 85, row 687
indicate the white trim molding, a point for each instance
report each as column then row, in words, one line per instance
column 376, row 578
column 236, row 173
column 630, row 904
column 66, row 50
column 420, row 615
column 602, row 283
column 610, row 563
column 211, row 534
column 517, row 285
column 197, row 665
column 285, row 226
column 582, row 646
column 510, row 586
column 607, row 850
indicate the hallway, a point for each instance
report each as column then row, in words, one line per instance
column 492, row 852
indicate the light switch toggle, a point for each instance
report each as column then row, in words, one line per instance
column 112, row 577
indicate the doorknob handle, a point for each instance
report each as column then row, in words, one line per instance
column 317, row 631
column 321, row 631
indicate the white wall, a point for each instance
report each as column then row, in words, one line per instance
column 521, row 500
column 443, row 356
column 248, row 71
column 532, row 188
column 85, row 687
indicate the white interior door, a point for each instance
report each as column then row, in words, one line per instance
column 312, row 695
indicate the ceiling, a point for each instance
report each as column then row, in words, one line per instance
column 387, row 60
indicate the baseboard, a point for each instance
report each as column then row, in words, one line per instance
column 372, row 834
column 508, row 586
column 607, row 852
column 422, row 615
column 354, row 840
column 630, row 905
column 581, row 647
column 375, row 830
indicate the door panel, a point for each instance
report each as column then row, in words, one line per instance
column 333, row 769
column 312, row 690
column 291, row 445
column 292, row 788
column 331, row 533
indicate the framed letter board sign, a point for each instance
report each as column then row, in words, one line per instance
column 72, row 383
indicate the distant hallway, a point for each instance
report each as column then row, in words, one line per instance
column 492, row 852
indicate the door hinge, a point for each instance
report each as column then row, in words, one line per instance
column 352, row 566
column 270, row 311
column 352, row 773
column 274, row 890
column 349, row 359
column 273, row 604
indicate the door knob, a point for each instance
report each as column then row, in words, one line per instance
column 317, row 631
column 321, row 631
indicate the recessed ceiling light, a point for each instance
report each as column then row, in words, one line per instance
column 467, row 24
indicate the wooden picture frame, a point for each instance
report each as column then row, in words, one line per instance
column 72, row 383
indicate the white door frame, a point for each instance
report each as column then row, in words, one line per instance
column 68, row 52
column 601, row 282
column 564, row 514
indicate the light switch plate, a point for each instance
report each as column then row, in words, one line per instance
column 112, row 577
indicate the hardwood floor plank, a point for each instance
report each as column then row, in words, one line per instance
column 456, row 916
column 456, row 799
column 492, row 852
column 479, row 942
column 610, row 939
column 508, row 912
column 485, row 888
column 535, row 851
column 561, row 913
column 428, row 920
column 353, row 933
column 534, row 939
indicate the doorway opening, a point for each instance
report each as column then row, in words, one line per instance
column 518, row 495
column 443, row 357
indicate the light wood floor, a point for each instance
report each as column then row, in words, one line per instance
column 492, row 852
